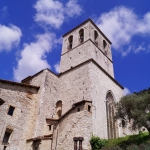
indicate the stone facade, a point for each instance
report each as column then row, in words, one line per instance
column 46, row 111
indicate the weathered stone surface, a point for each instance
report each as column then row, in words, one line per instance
column 86, row 78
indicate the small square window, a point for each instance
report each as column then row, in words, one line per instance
column 78, row 109
column 11, row 110
column 6, row 137
column 50, row 127
column 1, row 101
column 89, row 108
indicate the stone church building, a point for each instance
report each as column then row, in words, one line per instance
column 49, row 111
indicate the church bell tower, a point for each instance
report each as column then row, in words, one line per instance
column 85, row 42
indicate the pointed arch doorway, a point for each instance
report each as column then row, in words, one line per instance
column 110, row 110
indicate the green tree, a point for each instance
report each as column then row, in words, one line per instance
column 97, row 143
column 136, row 108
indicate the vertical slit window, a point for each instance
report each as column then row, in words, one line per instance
column 50, row 127
column 89, row 108
column 70, row 39
column 81, row 34
column 7, row 136
column 11, row 110
column 96, row 37
column 59, row 108
column 1, row 101
column 104, row 44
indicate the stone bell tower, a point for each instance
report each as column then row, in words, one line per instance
column 87, row 75
column 85, row 42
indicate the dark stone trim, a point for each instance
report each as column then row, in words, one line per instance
column 76, row 139
column 19, row 84
column 45, row 137
column 26, row 79
column 102, row 51
column 73, row 106
column 88, row 61
column 30, row 77
column 94, row 44
column 107, row 74
column 74, row 47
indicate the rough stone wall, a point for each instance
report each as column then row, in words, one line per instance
column 23, row 120
column 100, row 41
column 101, row 84
column 76, row 124
column 74, row 87
column 40, row 144
column 47, row 98
column 75, row 56
column 101, row 59
column 127, row 129
column 85, row 82
column 75, row 34
column 83, row 53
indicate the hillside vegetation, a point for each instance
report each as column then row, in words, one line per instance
column 132, row 142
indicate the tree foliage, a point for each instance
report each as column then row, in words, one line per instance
column 97, row 143
column 136, row 108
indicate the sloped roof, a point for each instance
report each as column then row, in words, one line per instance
column 20, row 84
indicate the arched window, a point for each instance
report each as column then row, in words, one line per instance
column 111, row 124
column 123, row 123
column 104, row 44
column 96, row 37
column 58, row 109
column 81, row 36
column 70, row 40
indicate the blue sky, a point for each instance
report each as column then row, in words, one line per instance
column 30, row 36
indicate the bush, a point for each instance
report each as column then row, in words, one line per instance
column 115, row 148
column 97, row 143
column 144, row 146
column 133, row 147
column 112, row 148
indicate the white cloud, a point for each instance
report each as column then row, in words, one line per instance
column 49, row 12
column 72, row 8
column 9, row 37
column 126, row 91
column 3, row 12
column 144, row 24
column 139, row 48
column 58, row 41
column 57, row 67
column 53, row 12
column 121, row 24
column 124, row 53
column 33, row 56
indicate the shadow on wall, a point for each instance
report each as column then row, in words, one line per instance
column 58, row 109
column 36, row 144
